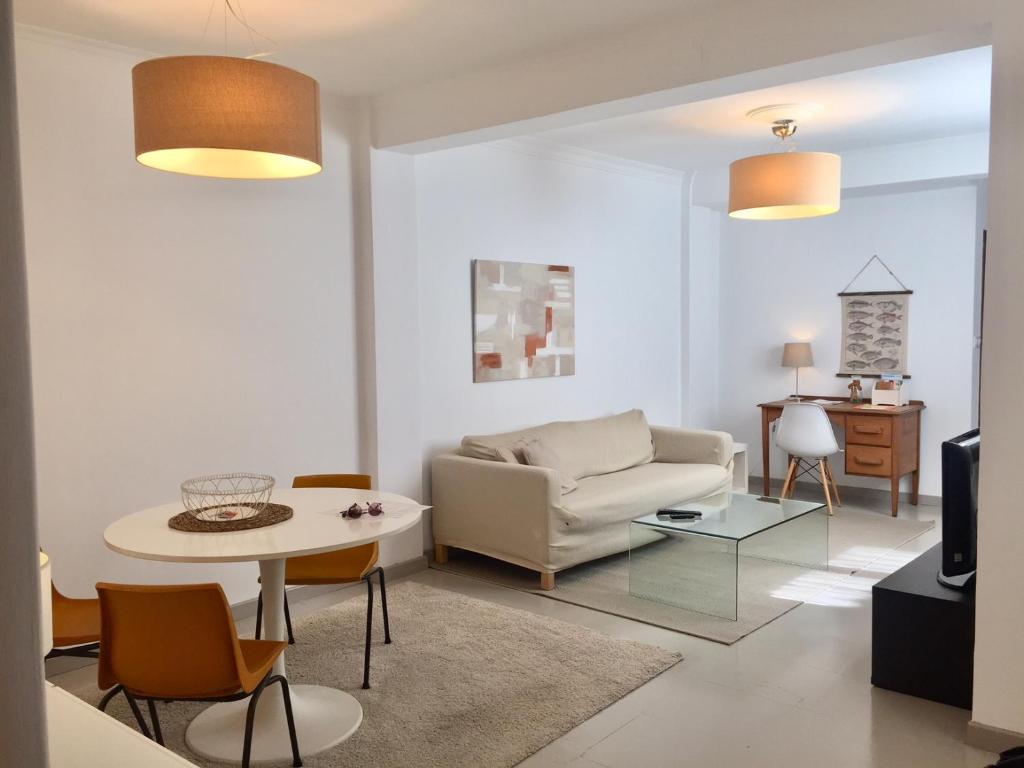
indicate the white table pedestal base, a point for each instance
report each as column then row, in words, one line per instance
column 324, row 717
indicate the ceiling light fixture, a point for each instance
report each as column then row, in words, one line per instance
column 784, row 185
column 225, row 116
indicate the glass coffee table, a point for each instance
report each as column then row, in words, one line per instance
column 697, row 565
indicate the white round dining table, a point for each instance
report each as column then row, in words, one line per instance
column 324, row 716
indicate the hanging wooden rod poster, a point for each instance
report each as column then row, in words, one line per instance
column 875, row 329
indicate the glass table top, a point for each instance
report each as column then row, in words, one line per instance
column 734, row 516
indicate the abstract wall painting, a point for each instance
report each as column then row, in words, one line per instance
column 524, row 320
column 875, row 333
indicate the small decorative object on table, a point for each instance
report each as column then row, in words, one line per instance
column 855, row 391
column 228, row 502
column 373, row 508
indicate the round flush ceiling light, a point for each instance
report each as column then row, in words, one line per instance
column 226, row 117
column 784, row 185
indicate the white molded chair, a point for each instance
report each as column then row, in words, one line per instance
column 805, row 433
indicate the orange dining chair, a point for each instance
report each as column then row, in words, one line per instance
column 178, row 643
column 76, row 625
column 342, row 566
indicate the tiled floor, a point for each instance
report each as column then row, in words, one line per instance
column 795, row 693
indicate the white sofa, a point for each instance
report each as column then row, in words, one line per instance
column 488, row 500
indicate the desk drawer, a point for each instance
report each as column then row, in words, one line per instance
column 868, row 460
column 869, row 430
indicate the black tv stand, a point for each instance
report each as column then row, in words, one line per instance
column 922, row 634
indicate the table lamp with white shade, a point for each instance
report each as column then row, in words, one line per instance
column 797, row 354
column 45, row 603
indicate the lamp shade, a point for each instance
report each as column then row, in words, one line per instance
column 45, row 604
column 797, row 354
column 784, row 185
column 226, row 117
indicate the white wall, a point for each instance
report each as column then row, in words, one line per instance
column 779, row 282
column 180, row 325
column 620, row 229
column 701, row 327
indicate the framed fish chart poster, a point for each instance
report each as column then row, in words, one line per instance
column 875, row 333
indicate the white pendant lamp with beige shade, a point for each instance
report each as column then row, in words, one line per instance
column 787, row 184
column 227, row 117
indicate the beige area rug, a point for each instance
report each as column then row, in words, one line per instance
column 858, row 543
column 464, row 683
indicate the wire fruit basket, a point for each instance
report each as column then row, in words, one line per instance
column 224, row 497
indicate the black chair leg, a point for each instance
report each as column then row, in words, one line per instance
column 288, row 619
column 384, row 606
column 102, row 706
column 156, row 722
column 369, row 632
column 296, row 758
column 138, row 714
column 250, row 716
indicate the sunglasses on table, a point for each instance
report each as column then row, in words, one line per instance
column 374, row 509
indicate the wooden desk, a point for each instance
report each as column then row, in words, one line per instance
column 880, row 442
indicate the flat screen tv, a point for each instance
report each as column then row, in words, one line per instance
column 960, row 510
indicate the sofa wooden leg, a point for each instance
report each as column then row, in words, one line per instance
column 441, row 553
column 547, row 580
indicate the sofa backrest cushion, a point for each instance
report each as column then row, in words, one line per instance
column 585, row 448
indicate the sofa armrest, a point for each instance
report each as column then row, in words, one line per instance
column 676, row 445
column 495, row 508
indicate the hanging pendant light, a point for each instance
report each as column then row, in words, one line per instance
column 784, row 185
column 228, row 117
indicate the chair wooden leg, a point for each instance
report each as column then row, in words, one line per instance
column 547, row 580
column 384, row 605
column 835, row 485
column 259, row 614
column 441, row 553
column 786, row 485
column 824, row 484
column 369, row 632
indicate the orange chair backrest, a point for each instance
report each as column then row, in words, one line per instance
column 360, row 482
column 168, row 641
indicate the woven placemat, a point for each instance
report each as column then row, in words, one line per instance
column 271, row 514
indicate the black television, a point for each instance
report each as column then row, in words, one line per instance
column 960, row 510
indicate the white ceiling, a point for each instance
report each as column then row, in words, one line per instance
column 358, row 46
column 934, row 97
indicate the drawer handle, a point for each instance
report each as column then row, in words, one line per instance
column 865, row 463
column 868, row 430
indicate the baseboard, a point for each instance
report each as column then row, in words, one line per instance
column 856, row 492
column 247, row 608
column 992, row 739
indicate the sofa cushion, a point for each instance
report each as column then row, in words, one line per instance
column 640, row 490
column 506, row 455
column 586, row 448
column 539, row 454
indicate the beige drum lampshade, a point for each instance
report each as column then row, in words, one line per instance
column 226, row 117
column 797, row 354
column 784, row 185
